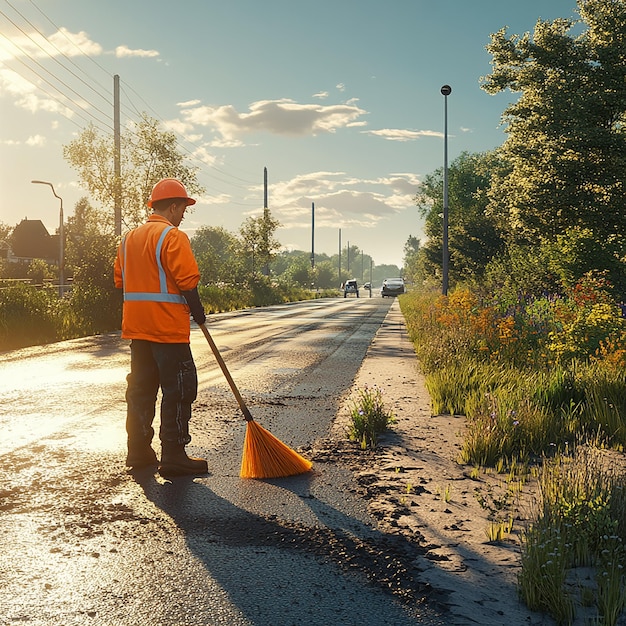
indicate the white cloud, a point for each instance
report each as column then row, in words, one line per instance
column 11, row 83
column 340, row 87
column 399, row 134
column 341, row 200
column 36, row 140
column 26, row 95
column 74, row 44
column 188, row 103
column 125, row 51
column 203, row 155
column 34, row 45
column 321, row 95
column 280, row 117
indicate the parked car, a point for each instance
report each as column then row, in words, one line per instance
column 392, row 287
column 350, row 286
column 367, row 286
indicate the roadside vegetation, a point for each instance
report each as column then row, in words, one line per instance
column 543, row 387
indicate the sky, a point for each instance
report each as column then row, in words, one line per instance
column 339, row 99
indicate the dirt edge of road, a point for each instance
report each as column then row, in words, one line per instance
column 415, row 487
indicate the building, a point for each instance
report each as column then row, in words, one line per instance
column 31, row 240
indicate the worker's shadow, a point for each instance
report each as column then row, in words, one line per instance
column 257, row 558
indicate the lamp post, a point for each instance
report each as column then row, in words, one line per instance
column 61, row 235
column 446, row 90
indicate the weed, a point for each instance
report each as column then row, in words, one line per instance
column 369, row 417
column 498, row 530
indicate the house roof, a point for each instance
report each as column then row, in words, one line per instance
column 31, row 240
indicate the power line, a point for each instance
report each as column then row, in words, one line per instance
column 60, row 52
column 63, row 103
column 133, row 113
column 25, row 53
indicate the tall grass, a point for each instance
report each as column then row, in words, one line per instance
column 580, row 522
column 520, row 396
column 542, row 383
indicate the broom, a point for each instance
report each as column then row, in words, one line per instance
column 264, row 456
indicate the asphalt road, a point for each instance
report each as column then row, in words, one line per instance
column 85, row 542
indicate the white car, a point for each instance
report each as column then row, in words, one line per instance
column 351, row 286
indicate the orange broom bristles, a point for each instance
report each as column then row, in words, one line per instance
column 265, row 456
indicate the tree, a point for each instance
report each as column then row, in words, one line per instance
column 473, row 238
column 324, row 275
column 411, row 256
column 259, row 243
column 147, row 155
column 39, row 271
column 5, row 243
column 5, row 232
column 216, row 251
column 299, row 271
column 566, row 144
column 90, row 253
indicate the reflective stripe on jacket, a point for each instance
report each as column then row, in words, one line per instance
column 154, row 264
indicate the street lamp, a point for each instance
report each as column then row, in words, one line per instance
column 61, row 234
column 446, row 90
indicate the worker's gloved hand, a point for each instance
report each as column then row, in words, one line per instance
column 195, row 306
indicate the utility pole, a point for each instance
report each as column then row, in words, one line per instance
column 117, row 168
column 340, row 281
column 446, row 90
column 312, row 235
column 266, row 243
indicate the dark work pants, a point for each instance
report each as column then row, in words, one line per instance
column 169, row 366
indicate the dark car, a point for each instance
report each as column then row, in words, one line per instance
column 392, row 287
column 350, row 286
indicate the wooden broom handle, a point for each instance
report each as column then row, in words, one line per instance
column 229, row 378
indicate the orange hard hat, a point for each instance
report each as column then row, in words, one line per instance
column 168, row 188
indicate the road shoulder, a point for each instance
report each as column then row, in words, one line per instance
column 415, row 486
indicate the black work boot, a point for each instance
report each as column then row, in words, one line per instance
column 175, row 462
column 140, row 455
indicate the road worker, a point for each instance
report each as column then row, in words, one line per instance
column 159, row 275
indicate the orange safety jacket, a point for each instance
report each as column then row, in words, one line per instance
column 154, row 263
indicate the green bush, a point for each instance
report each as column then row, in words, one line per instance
column 28, row 316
